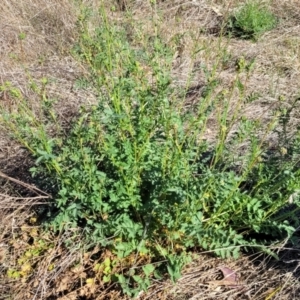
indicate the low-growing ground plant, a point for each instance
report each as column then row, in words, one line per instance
column 135, row 172
column 251, row 20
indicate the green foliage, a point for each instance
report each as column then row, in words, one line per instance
column 134, row 170
column 251, row 20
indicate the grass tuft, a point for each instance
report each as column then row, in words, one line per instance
column 251, row 20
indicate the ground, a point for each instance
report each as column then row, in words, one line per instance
column 36, row 38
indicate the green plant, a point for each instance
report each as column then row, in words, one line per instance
column 134, row 170
column 251, row 20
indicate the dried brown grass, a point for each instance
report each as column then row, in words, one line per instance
column 49, row 26
column 193, row 28
column 258, row 277
column 50, row 30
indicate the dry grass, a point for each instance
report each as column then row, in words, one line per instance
column 36, row 37
column 49, row 28
column 258, row 277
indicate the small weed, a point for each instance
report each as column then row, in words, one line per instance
column 251, row 21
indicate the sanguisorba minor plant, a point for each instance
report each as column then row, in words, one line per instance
column 134, row 171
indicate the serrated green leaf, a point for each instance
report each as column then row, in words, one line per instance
column 148, row 269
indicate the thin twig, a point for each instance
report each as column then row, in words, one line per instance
column 28, row 186
column 27, row 198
